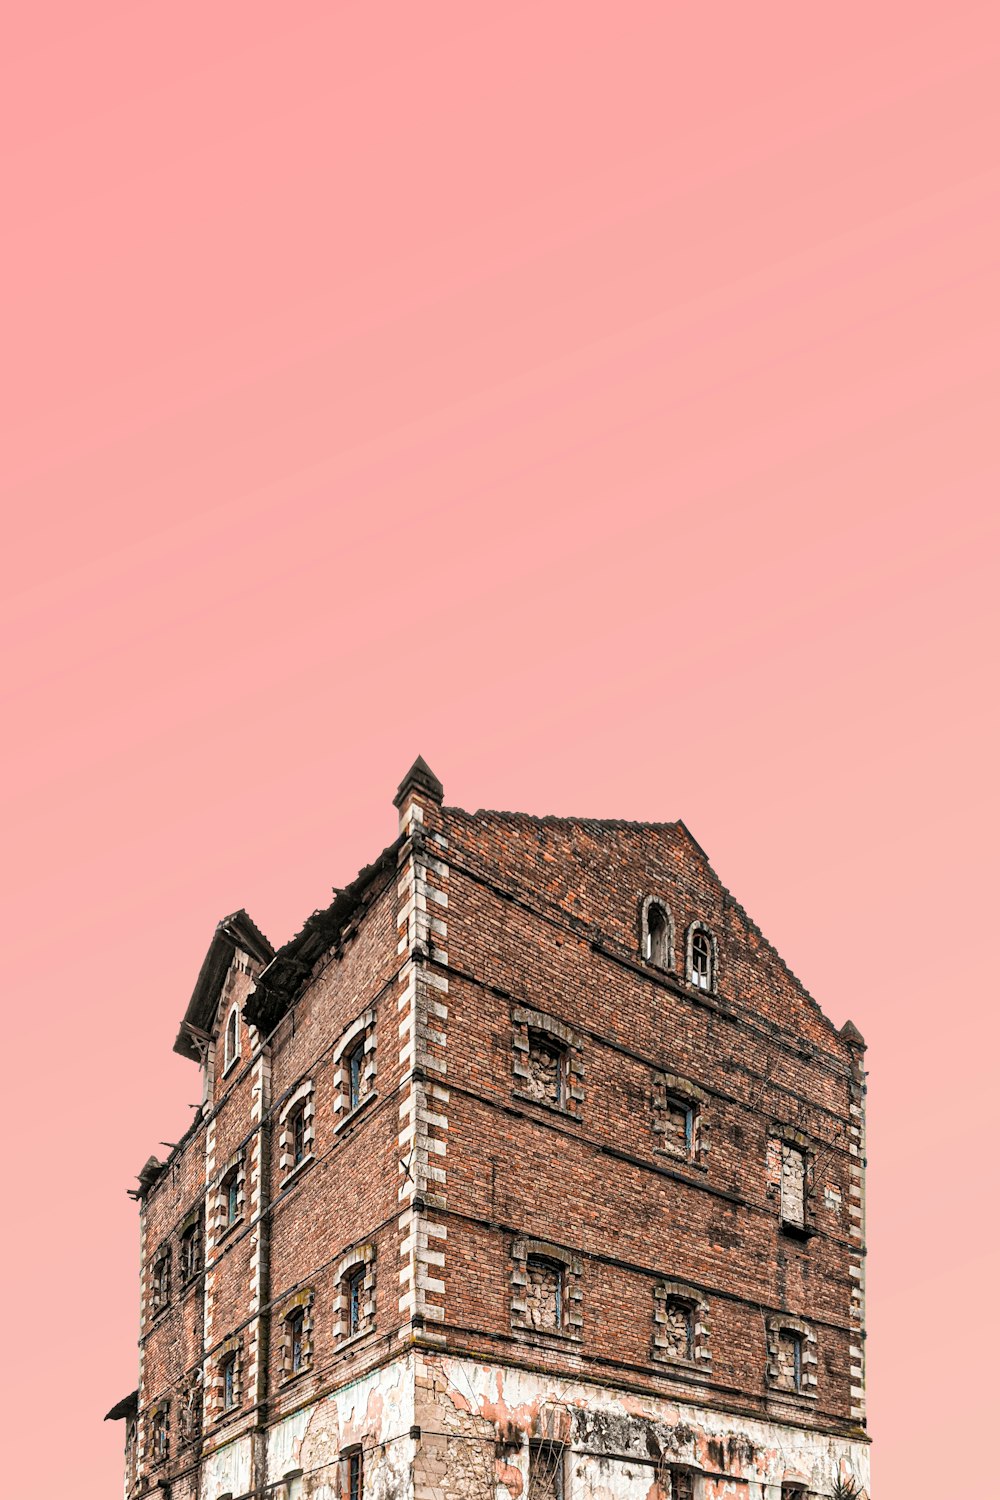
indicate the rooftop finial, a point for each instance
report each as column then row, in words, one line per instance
column 852, row 1036
column 419, row 778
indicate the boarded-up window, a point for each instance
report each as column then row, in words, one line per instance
column 546, row 1069
column 544, row 1293
column 675, row 1118
column 789, row 1361
column 793, row 1185
column 678, row 1328
column 546, row 1471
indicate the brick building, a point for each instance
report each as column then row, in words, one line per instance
column 526, row 1170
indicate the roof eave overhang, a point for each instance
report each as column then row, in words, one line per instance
column 236, row 931
column 128, row 1406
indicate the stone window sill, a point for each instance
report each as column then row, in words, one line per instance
column 233, row 1063
column 225, row 1232
column 354, row 1338
column 796, row 1231
column 682, row 1161
column 289, row 1377
column 558, row 1335
column 294, row 1173
column 676, row 1364
column 228, row 1414
column 352, row 1115
column 555, row 1109
column 157, row 1312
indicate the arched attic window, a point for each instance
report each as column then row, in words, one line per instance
column 657, row 934
column 701, row 957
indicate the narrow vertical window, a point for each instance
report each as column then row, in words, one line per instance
column 298, row 1132
column 232, row 1039
column 161, row 1281
column 657, row 936
column 793, row 1186
column 229, row 1382
column 161, row 1436
column 296, row 1339
column 230, row 1197
column 191, row 1251
column 355, row 1299
column 355, row 1475
column 355, row 1069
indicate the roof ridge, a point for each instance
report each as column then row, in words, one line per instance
column 579, row 818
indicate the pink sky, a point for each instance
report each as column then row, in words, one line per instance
column 600, row 400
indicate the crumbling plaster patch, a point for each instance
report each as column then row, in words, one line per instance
column 375, row 1412
column 737, row 1456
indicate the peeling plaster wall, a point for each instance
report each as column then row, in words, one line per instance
column 611, row 1479
column 375, row 1412
column 228, row 1471
column 619, row 1446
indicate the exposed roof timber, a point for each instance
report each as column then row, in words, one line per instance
column 235, row 931
column 286, row 975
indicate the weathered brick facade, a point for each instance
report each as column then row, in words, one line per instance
column 527, row 1169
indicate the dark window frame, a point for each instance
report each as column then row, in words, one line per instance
column 227, row 1369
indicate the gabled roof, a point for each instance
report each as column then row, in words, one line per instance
column 233, row 932
column 595, row 827
column 287, row 973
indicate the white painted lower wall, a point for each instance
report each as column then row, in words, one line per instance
column 619, row 1446
column 476, row 1423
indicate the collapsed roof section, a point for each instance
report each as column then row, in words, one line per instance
column 288, row 971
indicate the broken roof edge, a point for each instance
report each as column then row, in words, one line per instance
column 553, row 818
column 128, row 1406
column 279, row 984
column 237, row 931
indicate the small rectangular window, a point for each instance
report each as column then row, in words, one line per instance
column 677, row 1120
column 546, row 1471
column 679, row 1328
column 681, row 1484
column 544, row 1293
column 546, row 1067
